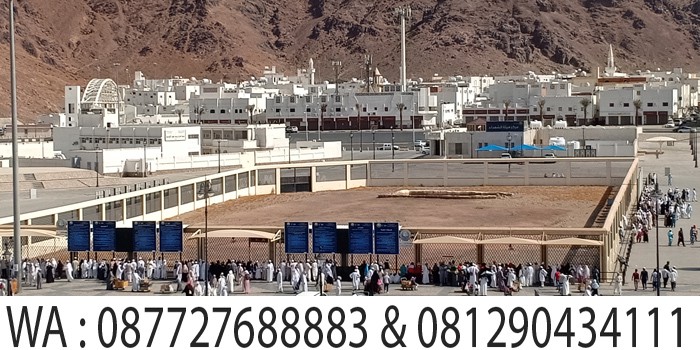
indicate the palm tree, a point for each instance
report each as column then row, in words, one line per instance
column 359, row 121
column 250, row 109
column 400, row 106
column 637, row 106
column 541, row 104
column 199, row 110
column 506, row 105
column 585, row 103
column 323, row 110
column 179, row 115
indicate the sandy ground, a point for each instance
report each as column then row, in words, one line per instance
column 556, row 206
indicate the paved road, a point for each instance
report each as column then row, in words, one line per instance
column 685, row 175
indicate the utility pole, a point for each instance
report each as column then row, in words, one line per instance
column 404, row 13
column 368, row 69
column 15, row 156
column 336, row 68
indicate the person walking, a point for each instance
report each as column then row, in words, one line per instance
column 681, row 238
column 644, row 276
column 655, row 280
column 664, row 273
column 670, row 179
column 673, row 278
column 670, row 238
column 635, row 279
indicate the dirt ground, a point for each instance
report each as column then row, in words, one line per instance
column 540, row 206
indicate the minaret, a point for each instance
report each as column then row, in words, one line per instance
column 610, row 69
column 311, row 71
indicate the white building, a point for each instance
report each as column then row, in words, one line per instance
column 98, row 105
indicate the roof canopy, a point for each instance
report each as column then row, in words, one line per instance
column 554, row 148
column 492, row 148
column 572, row 241
column 445, row 240
column 234, row 233
column 524, row 147
column 29, row 232
column 510, row 240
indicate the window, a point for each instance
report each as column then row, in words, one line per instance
column 535, row 109
column 626, row 104
column 323, row 99
column 308, row 99
column 549, row 109
column 292, row 99
column 665, row 104
column 375, row 108
column 612, row 104
column 386, row 109
column 211, row 111
column 223, row 111
column 650, row 104
column 480, row 145
column 639, row 93
column 570, row 109
column 308, row 110
column 337, row 109
column 364, row 109
column 292, row 110
column 277, row 110
column 278, row 99
column 195, row 153
column 71, row 108
column 193, row 136
column 560, row 109
column 562, row 87
column 337, row 98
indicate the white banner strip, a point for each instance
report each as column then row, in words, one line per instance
column 349, row 323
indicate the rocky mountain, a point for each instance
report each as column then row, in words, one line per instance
column 69, row 41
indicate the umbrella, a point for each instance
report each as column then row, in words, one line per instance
column 492, row 148
column 554, row 148
column 524, row 147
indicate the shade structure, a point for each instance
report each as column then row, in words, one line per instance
column 661, row 139
column 233, row 233
column 510, row 240
column 29, row 232
column 524, row 147
column 554, row 148
column 445, row 240
column 492, row 148
column 572, row 241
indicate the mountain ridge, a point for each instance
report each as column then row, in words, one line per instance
column 63, row 42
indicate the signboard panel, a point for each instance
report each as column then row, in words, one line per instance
column 360, row 238
column 325, row 239
column 103, row 236
column 509, row 126
column 296, row 237
column 144, row 236
column 386, row 238
column 170, row 236
column 175, row 135
column 78, row 236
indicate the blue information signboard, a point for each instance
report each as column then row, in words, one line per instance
column 296, row 237
column 360, row 238
column 170, row 236
column 103, row 236
column 386, row 238
column 144, row 236
column 78, row 236
column 325, row 237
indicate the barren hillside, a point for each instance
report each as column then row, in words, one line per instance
column 70, row 41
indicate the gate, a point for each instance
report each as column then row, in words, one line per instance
column 295, row 180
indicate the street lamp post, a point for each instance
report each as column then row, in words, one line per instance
column 352, row 156
column 145, row 144
column 392, row 147
column 658, row 271
column 218, row 150
column 374, row 144
column 509, row 138
column 15, row 144
column 695, row 147
column 205, row 192
column 97, row 169
column 471, row 145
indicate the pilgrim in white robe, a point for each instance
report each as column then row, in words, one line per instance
column 426, row 274
column 223, row 291
column 136, row 283
column 483, row 285
column 69, row 271
column 355, row 277
column 543, row 276
column 231, row 281
column 270, row 270
column 338, row 286
column 280, row 282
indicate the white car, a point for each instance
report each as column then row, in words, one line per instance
column 550, row 155
column 506, row 156
column 425, row 150
column 670, row 125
